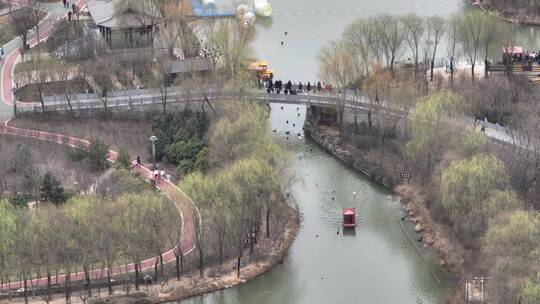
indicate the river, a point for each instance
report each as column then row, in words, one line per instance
column 377, row 264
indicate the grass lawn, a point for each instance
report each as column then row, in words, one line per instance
column 131, row 134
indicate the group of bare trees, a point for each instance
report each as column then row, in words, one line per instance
column 89, row 234
column 374, row 42
column 24, row 17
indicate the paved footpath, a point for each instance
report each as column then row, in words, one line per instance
column 185, row 205
column 12, row 53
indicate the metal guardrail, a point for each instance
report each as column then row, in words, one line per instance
column 137, row 98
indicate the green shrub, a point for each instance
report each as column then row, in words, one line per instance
column 124, row 159
column 98, row 152
column 78, row 154
column 51, row 189
column 201, row 162
column 18, row 200
column 179, row 137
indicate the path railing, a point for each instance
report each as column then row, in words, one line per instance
column 183, row 203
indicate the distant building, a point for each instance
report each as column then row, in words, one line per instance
column 125, row 23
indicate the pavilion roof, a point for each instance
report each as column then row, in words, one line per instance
column 191, row 65
column 122, row 14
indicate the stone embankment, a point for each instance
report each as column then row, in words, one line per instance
column 431, row 233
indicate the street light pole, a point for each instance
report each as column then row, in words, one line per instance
column 153, row 140
column 482, row 280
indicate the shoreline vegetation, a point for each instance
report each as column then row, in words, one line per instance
column 435, row 235
column 479, row 182
column 507, row 14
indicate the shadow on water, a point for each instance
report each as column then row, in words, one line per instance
column 349, row 232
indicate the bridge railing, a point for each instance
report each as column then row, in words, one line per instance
column 147, row 98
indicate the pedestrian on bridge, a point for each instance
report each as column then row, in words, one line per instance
column 308, row 87
column 300, row 87
column 319, row 86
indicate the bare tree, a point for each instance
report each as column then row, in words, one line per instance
column 391, row 35
column 335, row 68
column 451, row 42
column 414, row 30
column 360, row 37
column 435, row 32
column 470, row 28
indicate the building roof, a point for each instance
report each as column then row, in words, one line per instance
column 191, row 65
column 122, row 14
column 512, row 49
column 349, row 211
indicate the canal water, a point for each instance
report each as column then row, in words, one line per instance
column 311, row 24
column 380, row 263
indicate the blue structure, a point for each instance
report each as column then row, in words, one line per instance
column 200, row 12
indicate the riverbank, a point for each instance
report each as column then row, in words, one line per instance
column 514, row 16
column 434, row 235
column 216, row 277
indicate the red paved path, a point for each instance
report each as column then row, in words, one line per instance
column 185, row 208
column 184, row 204
column 10, row 61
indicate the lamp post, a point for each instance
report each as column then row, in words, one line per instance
column 153, row 140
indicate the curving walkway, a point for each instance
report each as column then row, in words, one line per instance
column 185, row 206
column 14, row 53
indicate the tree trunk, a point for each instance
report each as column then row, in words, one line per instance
column 41, row 98
column 181, row 258
column 68, row 99
column 161, row 263
column 267, row 221
column 164, row 98
column 48, row 286
column 472, row 71
column 451, row 73
column 201, row 261
column 238, row 267
column 431, row 69
column 25, row 290
column 156, row 269
column 221, row 251
column 88, row 280
column 24, row 36
column 37, row 32
column 67, row 288
column 109, row 279
column 136, row 264
column 177, row 260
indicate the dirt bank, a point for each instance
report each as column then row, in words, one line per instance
column 435, row 235
column 508, row 14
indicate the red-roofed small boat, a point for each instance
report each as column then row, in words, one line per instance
column 349, row 217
